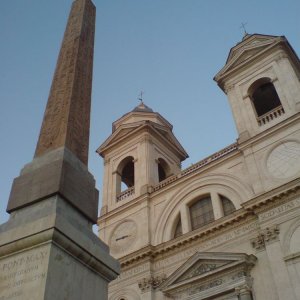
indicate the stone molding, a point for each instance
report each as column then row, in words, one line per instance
column 59, row 239
column 183, row 241
column 55, row 221
column 215, row 229
column 262, row 202
column 147, row 131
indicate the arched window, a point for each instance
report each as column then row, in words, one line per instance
column 163, row 169
column 125, row 174
column 201, row 212
column 264, row 96
column 227, row 205
column 178, row 229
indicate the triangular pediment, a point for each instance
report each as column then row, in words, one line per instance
column 254, row 41
column 202, row 267
column 118, row 134
column 205, row 267
column 245, row 55
column 125, row 131
column 247, row 50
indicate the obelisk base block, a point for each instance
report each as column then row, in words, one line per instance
column 56, row 172
column 48, row 251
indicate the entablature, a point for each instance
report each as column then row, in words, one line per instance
column 242, row 217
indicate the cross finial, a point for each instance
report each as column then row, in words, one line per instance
column 141, row 96
column 243, row 25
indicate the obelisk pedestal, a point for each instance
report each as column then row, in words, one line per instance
column 47, row 248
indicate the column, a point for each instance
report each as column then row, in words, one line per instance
column 217, row 205
column 185, row 219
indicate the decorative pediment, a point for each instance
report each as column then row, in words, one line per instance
column 254, row 41
column 248, row 49
column 245, row 55
column 201, row 267
column 208, row 274
column 125, row 131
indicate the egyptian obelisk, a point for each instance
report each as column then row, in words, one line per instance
column 47, row 247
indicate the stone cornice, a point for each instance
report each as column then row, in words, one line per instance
column 243, row 216
column 209, row 231
column 121, row 120
column 124, row 206
column 139, row 127
column 272, row 130
column 55, row 236
column 263, row 200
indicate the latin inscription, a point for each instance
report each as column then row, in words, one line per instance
column 206, row 245
column 279, row 210
column 199, row 289
column 189, row 252
column 132, row 272
column 21, row 275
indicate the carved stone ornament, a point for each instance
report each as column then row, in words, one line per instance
column 244, row 289
column 201, row 268
column 271, row 234
column 209, row 275
column 151, row 282
column 266, row 236
column 258, row 242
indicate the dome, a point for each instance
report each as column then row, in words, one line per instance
column 142, row 108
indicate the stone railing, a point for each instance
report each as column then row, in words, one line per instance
column 271, row 115
column 196, row 166
column 125, row 194
column 165, row 182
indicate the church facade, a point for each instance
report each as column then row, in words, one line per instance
column 228, row 227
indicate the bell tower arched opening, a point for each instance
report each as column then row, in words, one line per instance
column 264, row 96
column 125, row 174
column 163, row 169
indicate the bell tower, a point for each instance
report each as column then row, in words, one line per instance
column 141, row 151
column 261, row 80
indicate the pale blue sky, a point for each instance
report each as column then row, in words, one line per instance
column 169, row 48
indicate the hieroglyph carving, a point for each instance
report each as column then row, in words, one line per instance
column 66, row 120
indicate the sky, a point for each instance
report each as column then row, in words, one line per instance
column 170, row 49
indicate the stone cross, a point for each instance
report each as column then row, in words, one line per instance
column 67, row 117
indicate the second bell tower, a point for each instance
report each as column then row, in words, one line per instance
column 141, row 151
